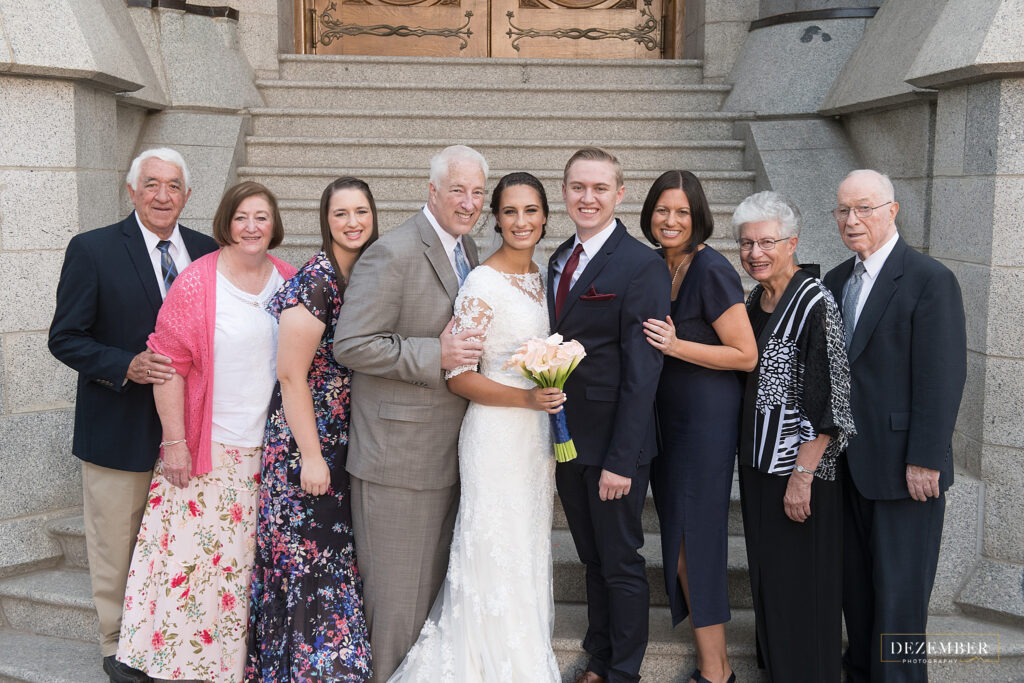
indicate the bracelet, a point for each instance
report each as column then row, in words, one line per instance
column 164, row 444
column 801, row 468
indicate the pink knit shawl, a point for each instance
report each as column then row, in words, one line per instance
column 184, row 333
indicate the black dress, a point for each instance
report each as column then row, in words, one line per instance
column 698, row 414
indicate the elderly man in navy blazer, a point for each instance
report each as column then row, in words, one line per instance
column 111, row 287
column 602, row 285
column 906, row 339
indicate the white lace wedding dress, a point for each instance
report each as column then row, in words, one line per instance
column 492, row 620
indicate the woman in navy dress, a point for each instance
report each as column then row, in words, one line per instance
column 706, row 339
column 306, row 618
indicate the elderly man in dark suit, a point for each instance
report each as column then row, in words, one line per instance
column 906, row 340
column 602, row 285
column 111, row 287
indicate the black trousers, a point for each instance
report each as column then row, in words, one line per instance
column 608, row 536
column 890, row 555
column 795, row 578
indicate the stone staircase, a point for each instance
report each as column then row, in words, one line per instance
column 382, row 119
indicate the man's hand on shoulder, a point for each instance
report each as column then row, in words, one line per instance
column 150, row 368
column 613, row 486
column 458, row 350
column 923, row 483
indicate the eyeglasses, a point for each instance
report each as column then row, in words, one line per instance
column 766, row 244
column 843, row 212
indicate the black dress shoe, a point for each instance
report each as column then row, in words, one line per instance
column 120, row 672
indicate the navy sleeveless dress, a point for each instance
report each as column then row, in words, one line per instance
column 698, row 416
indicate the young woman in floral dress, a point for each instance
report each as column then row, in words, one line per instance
column 306, row 620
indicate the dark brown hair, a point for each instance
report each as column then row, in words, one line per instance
column 700, row 210
column 511, row 180
column 326, row 240
column 229, row 205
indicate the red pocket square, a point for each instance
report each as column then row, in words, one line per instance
column 592, row 295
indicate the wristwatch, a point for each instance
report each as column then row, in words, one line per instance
column 801, row 468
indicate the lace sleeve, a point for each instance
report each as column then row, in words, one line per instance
column 471, row 312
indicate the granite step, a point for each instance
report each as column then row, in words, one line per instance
column 415, row 97
column 52, row 602
column 70, row 534
column 457, row 71
column 570, row 580
column 650, row 514
column 670, row 656
column 33, row 658
column 510, row 125
column 393, row 184
column 391, row 152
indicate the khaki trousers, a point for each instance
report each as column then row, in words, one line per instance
column 403, row 538
column 113, row 504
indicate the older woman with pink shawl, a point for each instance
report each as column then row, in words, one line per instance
column 186, row 606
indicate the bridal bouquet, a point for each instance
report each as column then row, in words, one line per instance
column 548, row 363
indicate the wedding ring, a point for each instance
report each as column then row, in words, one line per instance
column 618, row 495
column 147, row 373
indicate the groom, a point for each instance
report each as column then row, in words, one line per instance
column 602, row 285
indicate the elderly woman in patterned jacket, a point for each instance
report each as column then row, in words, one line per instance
column 796, row 423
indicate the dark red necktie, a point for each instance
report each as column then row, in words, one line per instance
column 565, row 281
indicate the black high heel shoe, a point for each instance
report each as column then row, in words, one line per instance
column 695, row 676
column 700, row 679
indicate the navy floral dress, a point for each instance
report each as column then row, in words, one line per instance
column 306, row 620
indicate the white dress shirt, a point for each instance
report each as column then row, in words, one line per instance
column 448, row 240
column 590, row 249
column 177, row 251
column 872, row 265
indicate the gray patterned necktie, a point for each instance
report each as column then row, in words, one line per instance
column 167, row 267
column 461, row 264
column 850, row 300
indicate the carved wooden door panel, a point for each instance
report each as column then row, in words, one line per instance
column 438, row 28
column 597, row 29
column 592, row 29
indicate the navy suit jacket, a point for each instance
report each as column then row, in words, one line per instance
column 908, row 365
column 610, row 406
column 107, row 301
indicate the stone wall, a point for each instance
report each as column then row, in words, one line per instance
column 84, row 86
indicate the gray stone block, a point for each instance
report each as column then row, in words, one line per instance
column 47, row 222
column 56, row 602
column 70, row 535
column 722, row 44
column 950, row 131
column 896, row 141
column 970, row 41
column 1003, row 471
column 31, row 657
column 1005, row 306
column 41, row 475
column 212, row 170
column 40, row 115
column 35, row 380
column 729, row 10
column 975, row 281
column 32, row 276
column 130, row 120
column 982, row 132
column 789, row 68
column 995, row 588
column 874, row 74
column 966, row 454
column 970, row 420
column 1004, row 401
column 1010, row 155
column 1007, row 218
column 959, row 549
column 95, row 128
column 258, row 39
column 959, row 202
column 912, row 195
column 196, row 129
column 25, row 545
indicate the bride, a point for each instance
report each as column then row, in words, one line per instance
column 493, row 617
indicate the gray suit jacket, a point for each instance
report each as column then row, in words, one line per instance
column 404, row 423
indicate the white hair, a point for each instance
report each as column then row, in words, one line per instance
column 767, row 206
column 888, row 194
column 442, row 162
column 161, row 153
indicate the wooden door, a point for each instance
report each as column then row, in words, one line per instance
column 596, row 29
column 593, row 29
column 434, row 28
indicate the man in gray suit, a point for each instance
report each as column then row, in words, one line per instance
column 394, row 331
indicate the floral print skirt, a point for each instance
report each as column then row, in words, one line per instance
column 186, row 604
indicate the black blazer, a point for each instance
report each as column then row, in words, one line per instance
column 610, row 407
column 107, row 301
column 908, row 365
